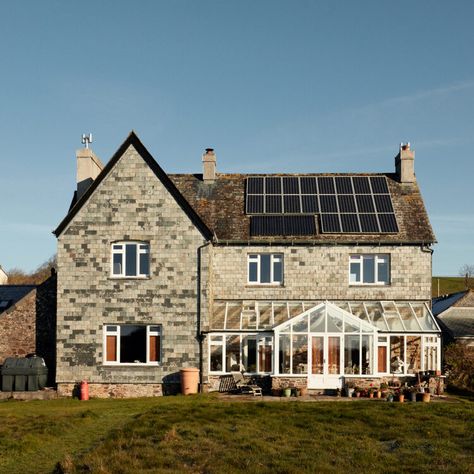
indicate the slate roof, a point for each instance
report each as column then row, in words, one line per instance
column 221, row 205
column 218, row 209
column 458, row 317
column 12, row 294
column 458, row 321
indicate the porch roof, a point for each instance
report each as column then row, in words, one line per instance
column 258, row 315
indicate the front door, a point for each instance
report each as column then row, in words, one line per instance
column 325, row 361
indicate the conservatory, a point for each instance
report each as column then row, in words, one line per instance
column 324, row 342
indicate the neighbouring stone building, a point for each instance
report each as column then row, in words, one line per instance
column 455, row 315
column 28, row 322
column 302, row 279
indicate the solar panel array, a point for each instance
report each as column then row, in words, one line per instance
column 346, row 204
column 282, row 225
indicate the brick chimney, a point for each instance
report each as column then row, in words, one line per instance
column 88, row 168
column 405, row 164
column 209, row 166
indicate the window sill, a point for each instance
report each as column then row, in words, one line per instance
column 365, row 285
column 131, row 364
column 129, row 278
column 264, row 285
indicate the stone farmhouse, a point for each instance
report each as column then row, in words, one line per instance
column 302, row 279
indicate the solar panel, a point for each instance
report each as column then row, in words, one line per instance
column 292, row 204
column 350, row 223
column 273, row 204
column 330, row 223
column 255, row 186
column 368, row 223
column 254, row 204
column 273, row 185
column 328, row 203
column 308, row 186
column 388, row 223
column 365, row 203
column 282, row 225
column 361, row 185
column 343, row 185
column 379, row 185
column 346, row 203
column 310, row 204
column 326, row 185
column 290, row 186
column 383, row 203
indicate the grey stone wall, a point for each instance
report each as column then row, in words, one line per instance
column 322, row 272
column 130, row 204
column 17, row 328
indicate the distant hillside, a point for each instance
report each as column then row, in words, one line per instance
column 450, row 285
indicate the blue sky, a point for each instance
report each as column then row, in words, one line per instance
column 302, row 86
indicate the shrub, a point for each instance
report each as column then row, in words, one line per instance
column 459, row 362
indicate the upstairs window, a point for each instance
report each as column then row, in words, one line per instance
column 132, row 344
column 369, row 269
column 265, row 268
column 130, row 259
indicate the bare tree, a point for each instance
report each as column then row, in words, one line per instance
column 17, row 276
column 467, row 270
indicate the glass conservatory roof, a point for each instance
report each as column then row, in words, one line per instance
column 386, row 316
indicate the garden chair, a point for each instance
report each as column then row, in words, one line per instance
column 244, row 387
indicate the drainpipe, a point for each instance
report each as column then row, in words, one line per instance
column 200, row 336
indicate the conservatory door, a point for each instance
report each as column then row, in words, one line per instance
column 325, row 362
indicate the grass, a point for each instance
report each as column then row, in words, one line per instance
column 449, row 285
column 202, row 435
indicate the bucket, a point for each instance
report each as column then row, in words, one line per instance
column 189, row 380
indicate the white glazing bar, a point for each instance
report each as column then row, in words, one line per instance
column 416, row 317
column 399, row 316
column 225, row 315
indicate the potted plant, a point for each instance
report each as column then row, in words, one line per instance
column 426, row 397
column 303, row 391
column 412, row 393
column 371, row 392
column 390, row 396
column 401, row 395
column 350, row 386
column 384, row 388
column 286, row 390
column 357, row 392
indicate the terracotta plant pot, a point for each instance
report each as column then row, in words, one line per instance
column 371, row 395
column 303, row 391
column 189, row 380
column 401, row 398
column 426, row 397
column 357, row 394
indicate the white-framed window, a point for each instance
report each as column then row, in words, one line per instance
column 250, row 353
column 369, row 269
column 132, row 344
column 265, row 269
column 130, row 259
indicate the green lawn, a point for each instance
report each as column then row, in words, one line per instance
column 202, row 434
column 449, row 285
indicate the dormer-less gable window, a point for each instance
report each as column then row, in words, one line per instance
column 130, row 259
column 369, row 269
column 265, row 268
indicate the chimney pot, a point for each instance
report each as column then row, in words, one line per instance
column 209, row 166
